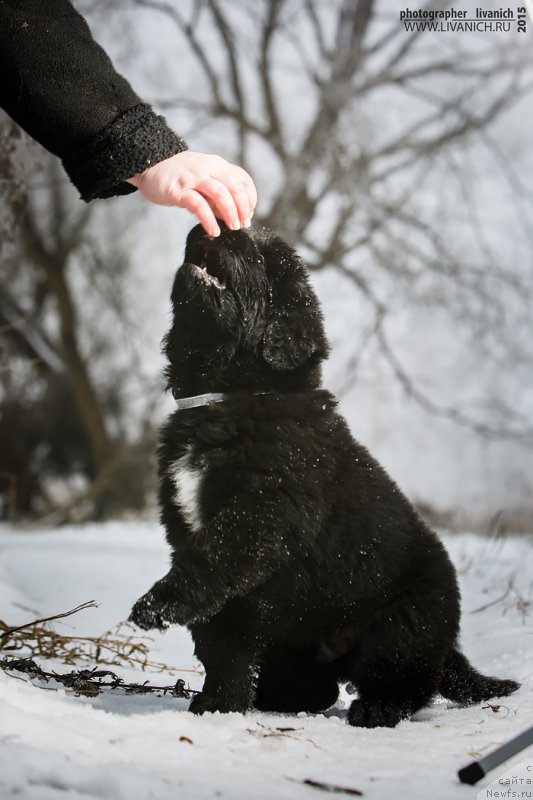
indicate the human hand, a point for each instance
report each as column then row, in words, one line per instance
column 207, row 185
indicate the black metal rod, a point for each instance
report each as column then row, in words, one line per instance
column 473, row 772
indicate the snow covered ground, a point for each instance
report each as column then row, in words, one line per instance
column 54, row 744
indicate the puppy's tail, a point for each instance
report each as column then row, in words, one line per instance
column 464, row 684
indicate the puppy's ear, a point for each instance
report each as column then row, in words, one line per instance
column 295, row 331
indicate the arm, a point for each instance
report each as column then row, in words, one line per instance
column 61, row 87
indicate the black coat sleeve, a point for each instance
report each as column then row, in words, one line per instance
column 59, row 85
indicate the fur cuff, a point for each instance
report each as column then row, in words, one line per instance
column 134, row 141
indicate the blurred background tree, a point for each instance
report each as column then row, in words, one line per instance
column 392, row 159
column 64, row 440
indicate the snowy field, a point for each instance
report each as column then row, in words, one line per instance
column 54, row 744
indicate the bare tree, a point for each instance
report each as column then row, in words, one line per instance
column 360, row 123
column 354, row 128
column 62, row 407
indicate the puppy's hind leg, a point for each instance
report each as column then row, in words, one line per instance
column 392, row 691
column 396, row 668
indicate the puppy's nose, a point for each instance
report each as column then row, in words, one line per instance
column 223, row 227
column 227, row 233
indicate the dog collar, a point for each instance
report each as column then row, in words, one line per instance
column 182, row 403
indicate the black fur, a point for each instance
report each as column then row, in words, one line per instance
column 308, row 566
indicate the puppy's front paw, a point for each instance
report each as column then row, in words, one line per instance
column 162, row 606
column 149, row 613
column 208, row 702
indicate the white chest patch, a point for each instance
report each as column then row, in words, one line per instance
column 187, row 479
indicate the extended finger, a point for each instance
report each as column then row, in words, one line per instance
column 251, row 191
column 221, row 200
column 242, row 201
column 243, row 190
column 198, row 205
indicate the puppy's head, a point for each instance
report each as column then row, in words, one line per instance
column 244, row 317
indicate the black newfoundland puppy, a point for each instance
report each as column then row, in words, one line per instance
column 297, row 563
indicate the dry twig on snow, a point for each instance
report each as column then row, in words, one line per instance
column 90, row 682
column 114, row 647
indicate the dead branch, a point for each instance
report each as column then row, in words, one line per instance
column 114, row 647
column 328, row 787
column 453, row 414
column 91, row 682
column 9, row 631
